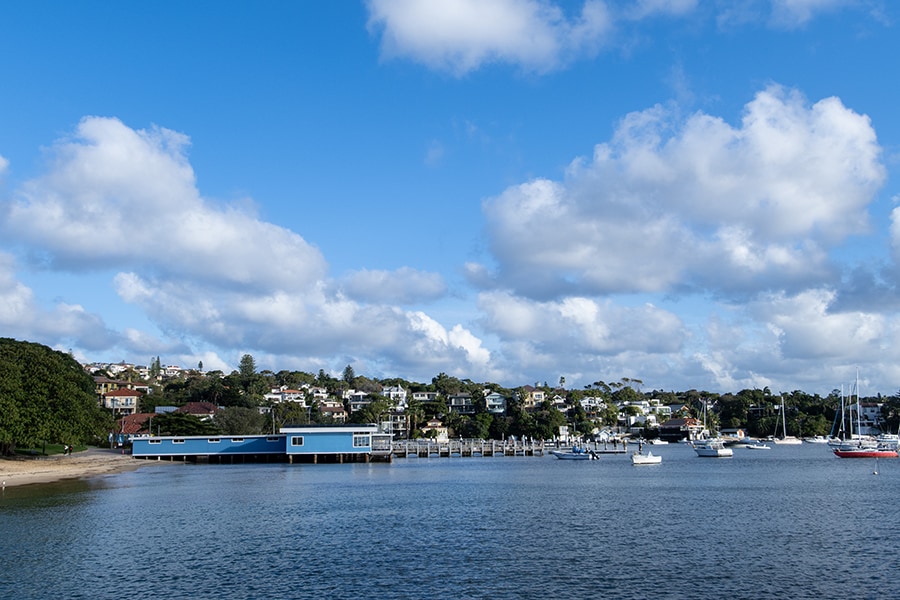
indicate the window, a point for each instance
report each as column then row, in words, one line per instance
column 361, row 440
column 297, row 440
column 177, row 441
column 155, row 441
column 237, row 440
column 273, row 438
column 213, row 440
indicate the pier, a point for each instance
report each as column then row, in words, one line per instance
column 423, row 448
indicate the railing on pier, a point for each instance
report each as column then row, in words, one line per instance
column 425, row 448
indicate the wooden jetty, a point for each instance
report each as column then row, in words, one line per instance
column 424, row 448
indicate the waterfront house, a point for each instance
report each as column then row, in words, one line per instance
column 675, row 430
column 437, row 426
column 292, row 444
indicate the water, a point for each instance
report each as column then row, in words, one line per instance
column 792, row 522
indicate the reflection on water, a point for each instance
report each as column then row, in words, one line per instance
column 792, row 523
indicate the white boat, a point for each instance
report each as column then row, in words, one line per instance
column 645, row 459
column 575, row 455
column 658, row 442
column 816, row 439
column 712, row 448
column 785, row 439
column 757, row 446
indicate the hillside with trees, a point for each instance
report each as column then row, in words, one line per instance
column 46, row 398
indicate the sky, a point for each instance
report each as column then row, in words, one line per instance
column 696, row 194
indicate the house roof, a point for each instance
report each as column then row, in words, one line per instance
column 680, row 422
column 198, row 408
column 132, row 424
column 124, row 393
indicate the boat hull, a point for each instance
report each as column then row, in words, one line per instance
column 573, row 455
column 865, row 453
column 645, row 459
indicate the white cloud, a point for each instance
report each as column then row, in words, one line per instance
column 698, row 203
column 402, row 286
column 139, row 185
column 461, row 35
column 577, row 325
column 647, row 8
column 794, row 13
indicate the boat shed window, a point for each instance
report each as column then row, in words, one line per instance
column 237, row 440
column 213, row 440
column 273, row 438
column 361, row 440
column 297, row 440
column 155, row 441
column 177, row 441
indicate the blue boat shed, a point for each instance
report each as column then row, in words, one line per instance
column 309, row 443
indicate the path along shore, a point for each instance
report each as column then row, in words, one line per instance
column 44, row 469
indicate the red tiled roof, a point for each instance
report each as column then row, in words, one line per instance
column 198, row 408
column 125, row 393
column 132, row 424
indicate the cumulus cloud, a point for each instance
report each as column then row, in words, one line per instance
column 22, row 316
column 123, row 201
column 314, row 324
column 403, row 286
column 576, row 325
column 696, row 203
column 461, row 35
column 140, row 186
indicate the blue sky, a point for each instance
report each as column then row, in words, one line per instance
column 693, row 194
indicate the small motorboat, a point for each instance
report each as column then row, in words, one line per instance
column 575, row 454
column 757, row 446
column 645, row 459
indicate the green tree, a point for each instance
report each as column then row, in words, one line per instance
column 239, row 420
column 46, row 396
column 183, row 424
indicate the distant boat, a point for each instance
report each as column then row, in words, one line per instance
column 816, row 439
column 712, row 448
column 863, row 452
column 757, row 446
column 785, row 439
column 658, row 442
column 575, row 454
column 645, row 459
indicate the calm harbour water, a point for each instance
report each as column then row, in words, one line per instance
column 791, row 522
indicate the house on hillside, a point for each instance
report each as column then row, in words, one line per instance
column 205, row 411
column 121, row 401
column 441, row 433
column 532, row 397
column 461, row 403
column 285, row 394
column 495, row 402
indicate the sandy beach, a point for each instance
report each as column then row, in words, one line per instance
column 24, row 471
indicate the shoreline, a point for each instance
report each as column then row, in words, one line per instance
column 90, row 463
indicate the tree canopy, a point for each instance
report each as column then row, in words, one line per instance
column 45, row 396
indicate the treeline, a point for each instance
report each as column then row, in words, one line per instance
column 757, row 411
column 46, row 397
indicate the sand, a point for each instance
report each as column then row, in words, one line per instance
column 24, row 471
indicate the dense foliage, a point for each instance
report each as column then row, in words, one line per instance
column 46, row 397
